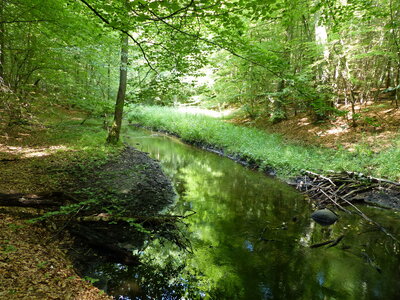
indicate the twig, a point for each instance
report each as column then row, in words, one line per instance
column 337, row 241
column 319, row 176
column 321, row 244
column 370, row 220
column 330, row 198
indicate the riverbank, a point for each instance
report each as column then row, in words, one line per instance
column 298, row 165
column 267, row 150
column 57, row 153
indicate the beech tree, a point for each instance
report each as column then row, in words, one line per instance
column 274, row 58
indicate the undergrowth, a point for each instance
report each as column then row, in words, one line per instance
column 267, row 150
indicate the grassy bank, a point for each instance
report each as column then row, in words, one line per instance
column 268, row 150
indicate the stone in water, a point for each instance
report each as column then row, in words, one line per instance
column 324, row 217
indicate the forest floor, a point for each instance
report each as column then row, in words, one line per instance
column 35, row 260
column 378, row 124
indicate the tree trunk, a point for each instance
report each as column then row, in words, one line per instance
column 2, row 42
column 113, row 135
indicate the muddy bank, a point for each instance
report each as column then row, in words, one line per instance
column 109, row 210
column 384, row 196
column 121, row 204
column 132, row 184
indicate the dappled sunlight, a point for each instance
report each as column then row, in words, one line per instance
column 377, row 126
column 205, row 112
column 304, row 122
column 334, row 131
column 29, row 152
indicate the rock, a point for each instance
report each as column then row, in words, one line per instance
column 324, row 217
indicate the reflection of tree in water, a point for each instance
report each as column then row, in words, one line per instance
column 251, row 238
column 152, row 279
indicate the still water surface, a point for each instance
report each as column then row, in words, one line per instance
column 251, row 238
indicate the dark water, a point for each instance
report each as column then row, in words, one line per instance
column 251, row 238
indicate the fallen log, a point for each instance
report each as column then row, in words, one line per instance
column 373, row 179
column 332, row 243
column 337, row 241
column 36, row 200
column 321, row 244
column 104, row 217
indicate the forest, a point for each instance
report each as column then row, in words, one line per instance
column 161, row 149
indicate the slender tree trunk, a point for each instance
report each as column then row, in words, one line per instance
column 388, row 74
column 321, row 39
column 2, row 41
column 397, row 85
column 113, row 135
column 109, row 75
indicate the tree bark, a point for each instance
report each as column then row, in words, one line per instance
column 2, row 42
column 114, row 133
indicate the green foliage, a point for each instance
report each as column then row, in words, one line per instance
column 90, row 279
column 266, row 150
column 8, row 248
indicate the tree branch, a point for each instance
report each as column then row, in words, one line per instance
column 122, row 30
column 185, row 8
column 24, row 21
column 198, row 37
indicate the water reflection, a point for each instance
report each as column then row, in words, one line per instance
column 251, row 236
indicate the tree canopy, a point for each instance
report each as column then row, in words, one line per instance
column 274, row 58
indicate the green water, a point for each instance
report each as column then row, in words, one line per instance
column 251, row 238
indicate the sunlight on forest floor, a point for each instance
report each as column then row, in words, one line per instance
column 27, row 152
column 34, row 159
column 377, row 127
column 205, row 112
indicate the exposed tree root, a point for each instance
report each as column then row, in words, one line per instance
column 107, row 233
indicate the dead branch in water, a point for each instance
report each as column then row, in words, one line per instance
column 344, row 189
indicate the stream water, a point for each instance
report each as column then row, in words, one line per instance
column 251, row 237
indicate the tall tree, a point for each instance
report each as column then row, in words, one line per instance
column 114, row 132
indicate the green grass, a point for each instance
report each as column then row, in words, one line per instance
column 268, row 150
column 51, row 147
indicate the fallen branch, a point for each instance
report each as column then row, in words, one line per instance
column 103, row 217
column 319, row 176
column 321, row 244
column 342, row 188
column 38, row 200
column 337, row 241
column 373, row 179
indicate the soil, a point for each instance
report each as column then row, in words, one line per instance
column 378, row 124
column 38, row 261
column 34, row 265
column 132, row 181
column 131, row 185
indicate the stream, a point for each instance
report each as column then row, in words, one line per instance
column 250, row 239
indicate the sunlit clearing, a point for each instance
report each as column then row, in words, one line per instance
column 205, row 112
column 333, row 131
column 27, row 152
